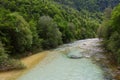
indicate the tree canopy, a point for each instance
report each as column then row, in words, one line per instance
column 110, row 33
column 30, row 25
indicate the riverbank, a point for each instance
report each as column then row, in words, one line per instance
column 58, row 65
column 29, row 62
column 56, row 62
column 92, row 54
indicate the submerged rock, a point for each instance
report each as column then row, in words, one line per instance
column 75, row 57
column 75, row 54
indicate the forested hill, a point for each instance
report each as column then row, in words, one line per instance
column 30, row 25
column 90, row 5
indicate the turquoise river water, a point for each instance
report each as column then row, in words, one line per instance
column 74, row 61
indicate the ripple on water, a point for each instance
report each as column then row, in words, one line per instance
column 62, row 68
column 56, row 66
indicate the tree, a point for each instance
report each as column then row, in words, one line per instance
column 18, row 33
column 111, row 32
column 3, row 54
column 49, row 32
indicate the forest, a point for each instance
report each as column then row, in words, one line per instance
column 109, row 31
column 28, row 26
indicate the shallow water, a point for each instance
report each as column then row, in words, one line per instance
column 58, row 66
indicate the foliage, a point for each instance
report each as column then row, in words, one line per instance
column 90, row 5
column 6, row 63
column 10, row 64
column 18, row 32
column 44, row 24
column 36, row 41
column 111, row 32
column 3, row 55
column 49, row 32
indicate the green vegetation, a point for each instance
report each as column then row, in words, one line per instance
column 49, row 32
column 6, row 63
column 34, row 25
column 90, row 5
column 38, row 25
column 111, row 32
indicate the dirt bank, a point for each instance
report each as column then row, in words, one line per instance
column 30, row 62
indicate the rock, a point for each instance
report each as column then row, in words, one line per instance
column 75, row 57
column 75, row 54
column 84, row 44
column 87, row 56
column 118, row 68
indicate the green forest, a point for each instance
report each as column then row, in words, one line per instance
column 28, row 26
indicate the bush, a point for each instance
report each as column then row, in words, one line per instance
column 10, row 64
column 6, row 63
column 3, row 55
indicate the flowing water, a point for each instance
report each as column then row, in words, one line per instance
column 75, row 61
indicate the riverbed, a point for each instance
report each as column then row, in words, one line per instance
column 79, row 60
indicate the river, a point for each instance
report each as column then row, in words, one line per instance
column 79, row 60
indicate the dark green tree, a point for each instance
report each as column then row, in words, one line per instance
column 49, row 32
column 18, row 32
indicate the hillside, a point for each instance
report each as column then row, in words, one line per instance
column 90, row 5
column 28, row 26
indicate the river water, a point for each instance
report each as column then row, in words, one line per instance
column 74, row 61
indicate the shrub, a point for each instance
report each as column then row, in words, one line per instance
column 6, row 63
column 10, row 64
column 2, row 53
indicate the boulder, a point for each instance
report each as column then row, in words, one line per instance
column 75, row 54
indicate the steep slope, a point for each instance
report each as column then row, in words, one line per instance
column 90, row 5
column 34, row 25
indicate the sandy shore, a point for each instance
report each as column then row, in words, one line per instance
column 30, row 62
